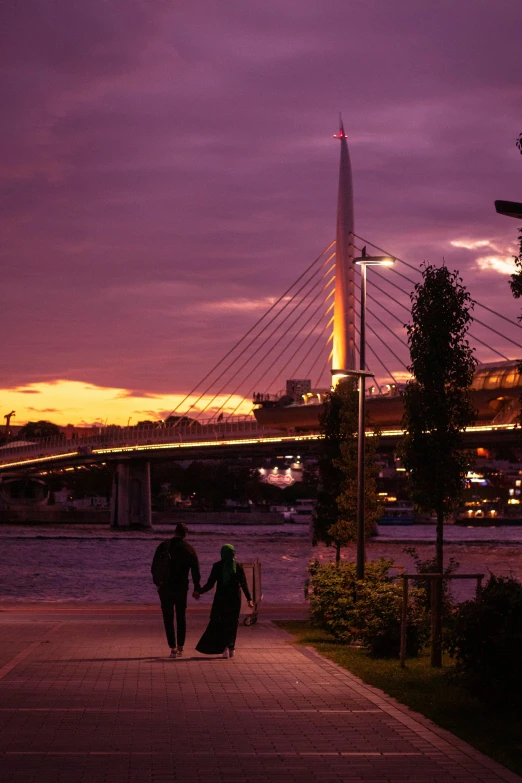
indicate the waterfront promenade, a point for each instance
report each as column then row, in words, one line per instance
column 87, row 695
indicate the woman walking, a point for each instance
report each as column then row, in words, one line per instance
column 229, row 577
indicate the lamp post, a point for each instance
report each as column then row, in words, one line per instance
column 363, row 261
column 8, row 418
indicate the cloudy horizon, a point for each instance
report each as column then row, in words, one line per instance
column 168, row 170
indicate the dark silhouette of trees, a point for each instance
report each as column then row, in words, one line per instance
column 437, row 406
column 181, row 421
column 36, row 430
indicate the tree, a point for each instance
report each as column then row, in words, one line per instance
column 181, row 421
column 210, row 484
column 516, row 278
column 35, row 430
column 437, row 406
column 335, row 518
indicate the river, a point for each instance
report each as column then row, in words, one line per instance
column 89, row 564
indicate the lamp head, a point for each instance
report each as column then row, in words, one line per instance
column 365, row 260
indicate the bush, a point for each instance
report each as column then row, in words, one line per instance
column 486, row 641
column 367, row 612
column 380, row 609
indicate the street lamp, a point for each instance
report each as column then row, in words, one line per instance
column 363, row 261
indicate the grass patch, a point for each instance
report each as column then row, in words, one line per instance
column 428, row 691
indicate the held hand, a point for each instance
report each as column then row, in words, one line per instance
column 251, row 604
column 195, row 595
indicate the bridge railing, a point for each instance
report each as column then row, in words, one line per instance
column 109, row 437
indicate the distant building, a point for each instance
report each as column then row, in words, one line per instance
column 297, row 388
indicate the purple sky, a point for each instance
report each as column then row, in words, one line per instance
column 162, row 159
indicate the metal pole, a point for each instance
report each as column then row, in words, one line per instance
column 360, row 433
column 404, row 620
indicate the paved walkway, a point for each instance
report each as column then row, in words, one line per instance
column 88, row 697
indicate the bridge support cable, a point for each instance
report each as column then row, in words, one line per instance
column 325, row 345
column 415, row 269
column 310, row 284
column 376, row 382
column 282, row 370
column 292, row 340
column 518, row 345
column 317, row 358
column 388, row 328
column 499, row 315
column 309, row 290
column 389, row 374
column 403, row 290
column 274, row 331
column 304, row 341
column 397, row 358
column 472, row 335
column 325, row 365
column 258, row 322
column 478, row 321
column 493, row 350
column 396, row 317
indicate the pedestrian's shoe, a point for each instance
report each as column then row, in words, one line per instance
column 180, row 652
column 226, row 654
column 173, row 652
column 230, row 652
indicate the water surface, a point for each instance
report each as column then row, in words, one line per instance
column 93, row 564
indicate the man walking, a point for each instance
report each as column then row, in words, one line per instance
column 170, row 571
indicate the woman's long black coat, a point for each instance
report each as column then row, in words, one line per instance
column 224, row 615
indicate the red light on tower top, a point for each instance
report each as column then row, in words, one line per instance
column 341, row 134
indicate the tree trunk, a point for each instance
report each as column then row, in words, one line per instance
column 436, row 595
column 337, row 553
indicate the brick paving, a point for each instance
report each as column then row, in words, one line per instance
column 90, row 696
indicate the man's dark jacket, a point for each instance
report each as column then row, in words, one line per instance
column 183, row 558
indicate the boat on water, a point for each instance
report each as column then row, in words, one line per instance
column 399, row 513
column 303, row 512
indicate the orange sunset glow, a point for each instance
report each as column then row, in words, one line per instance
column 82, row 404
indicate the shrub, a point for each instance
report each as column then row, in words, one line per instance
column 380, row 608
column 486, row 641
column 367, row 612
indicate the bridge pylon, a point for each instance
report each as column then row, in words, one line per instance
column 130, row 497
column 343, row 357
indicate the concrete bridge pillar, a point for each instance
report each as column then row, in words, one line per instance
column 130, row 500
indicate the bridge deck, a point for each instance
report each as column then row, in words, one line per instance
column 90, row 696
column 213, row 442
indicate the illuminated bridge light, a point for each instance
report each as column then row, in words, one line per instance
column 212, row 444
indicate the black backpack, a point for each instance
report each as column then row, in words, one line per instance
column 160, row 568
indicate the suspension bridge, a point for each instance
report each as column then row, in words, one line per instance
column 281, row 368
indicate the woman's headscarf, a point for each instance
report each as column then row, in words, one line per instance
column 229, row 563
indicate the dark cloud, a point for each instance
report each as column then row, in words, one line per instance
column 162, row 158
column 136, row 393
